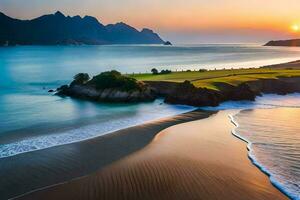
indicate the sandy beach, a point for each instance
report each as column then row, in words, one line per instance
column 194, row 160
column 27, row 172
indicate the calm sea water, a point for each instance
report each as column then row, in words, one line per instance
column 32, row 119
column 27, row 110
column 271, row 127
column 274, row 143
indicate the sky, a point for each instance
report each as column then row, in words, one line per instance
column 181, row 21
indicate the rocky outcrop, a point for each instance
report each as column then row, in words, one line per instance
column 281, row 86
column 168, row 43
column 187, row 94
column 107, row 95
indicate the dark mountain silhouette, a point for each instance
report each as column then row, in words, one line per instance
column 55, row 29
column 287, row 43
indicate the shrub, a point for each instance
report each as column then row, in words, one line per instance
column 165, row 71
column 202, row 70
column 154, row 71
column 114, row 79
column 80, row 79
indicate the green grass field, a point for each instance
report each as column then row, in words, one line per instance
column 209, row 79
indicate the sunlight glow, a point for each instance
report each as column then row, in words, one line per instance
column 295, row 28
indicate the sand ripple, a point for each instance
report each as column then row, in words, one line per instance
column 196, row 160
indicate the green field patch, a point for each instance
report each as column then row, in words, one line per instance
column 210, row 79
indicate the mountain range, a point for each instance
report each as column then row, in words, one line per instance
column 58, row 29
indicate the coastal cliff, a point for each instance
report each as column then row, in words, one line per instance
column 187, row 94
column 195, row 88
column 114, row 87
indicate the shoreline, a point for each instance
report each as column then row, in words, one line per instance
column 254, row 161
column 39, row 169
column 64, row 134
column 183, row 160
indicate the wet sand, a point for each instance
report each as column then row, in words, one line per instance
column 194, row 160
column 31, row 171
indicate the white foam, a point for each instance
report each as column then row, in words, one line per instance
column 86, row 132
column 281, row 186
column 95, row 130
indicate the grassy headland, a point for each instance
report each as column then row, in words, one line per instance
column 195, row 88
column 211, row 79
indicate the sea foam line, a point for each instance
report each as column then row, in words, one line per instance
column 78, row 135
column 251, row 156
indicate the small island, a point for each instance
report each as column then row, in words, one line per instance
column 168, row 43
column 109, row 86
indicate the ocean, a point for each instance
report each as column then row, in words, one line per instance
column 33, row 119
column 270, row 127
column 273, row 137
column 274, row 144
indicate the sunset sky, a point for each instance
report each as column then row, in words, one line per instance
column 181, row 21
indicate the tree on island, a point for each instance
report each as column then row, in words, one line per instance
column 114, row 79
column 80, row 78
column 154, row 71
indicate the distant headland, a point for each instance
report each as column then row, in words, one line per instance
column 284, row 43
column 58, row 29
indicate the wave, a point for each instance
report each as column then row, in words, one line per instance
column 254, row 160
column 85, row 132
column 95, row 130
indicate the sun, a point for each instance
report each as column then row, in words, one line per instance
column 295, row 28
